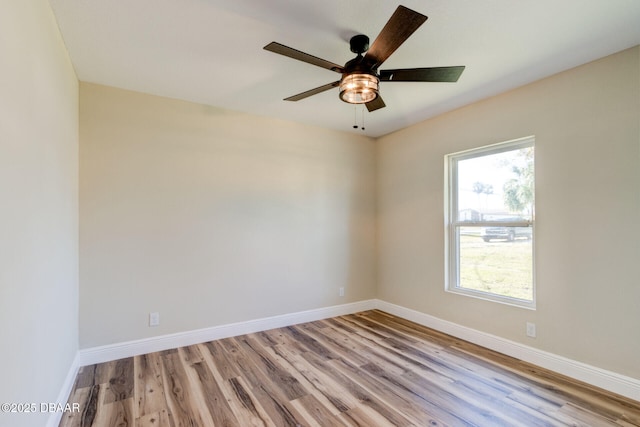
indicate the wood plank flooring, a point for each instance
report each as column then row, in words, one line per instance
column 367, row 369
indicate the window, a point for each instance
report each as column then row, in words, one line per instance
column 490, row 218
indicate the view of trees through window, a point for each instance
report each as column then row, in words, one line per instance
column 492, row 228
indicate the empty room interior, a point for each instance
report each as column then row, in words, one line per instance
column 442, row 231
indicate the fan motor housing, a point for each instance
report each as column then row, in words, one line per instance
column 359, row 83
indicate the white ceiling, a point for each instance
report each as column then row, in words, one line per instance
column 210, row 51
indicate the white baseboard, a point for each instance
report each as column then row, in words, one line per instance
column 620, row 384
column 56, row 416
column 106, row 353
column 611, row 381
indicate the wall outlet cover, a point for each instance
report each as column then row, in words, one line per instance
column 531, row 329
column 154, row 319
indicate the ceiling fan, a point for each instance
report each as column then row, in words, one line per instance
column 360, row 76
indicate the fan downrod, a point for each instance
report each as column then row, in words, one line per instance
column 359, row 44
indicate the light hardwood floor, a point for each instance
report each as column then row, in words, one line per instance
column 367, row 369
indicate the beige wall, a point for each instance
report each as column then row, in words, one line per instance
column 587, row 127
column 39, row 214
column 211, row 217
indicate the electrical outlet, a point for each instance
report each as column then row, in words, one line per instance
column 341, row 291
column 154, row 319
column 531, row 329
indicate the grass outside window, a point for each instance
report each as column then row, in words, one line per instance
column 499, row 266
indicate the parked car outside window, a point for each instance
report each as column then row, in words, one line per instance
column 506, row 233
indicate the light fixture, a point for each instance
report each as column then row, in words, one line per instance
column 359, row 88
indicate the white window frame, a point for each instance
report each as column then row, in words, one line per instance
column 452, row 250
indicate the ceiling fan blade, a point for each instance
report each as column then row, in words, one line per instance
column 397, row 30
column 301, row 56
column 311, row 92
column 375, row 104
column 433, row 74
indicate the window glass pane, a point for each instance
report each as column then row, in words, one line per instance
column 492, row 187
column 496, row 187
column 498, row 260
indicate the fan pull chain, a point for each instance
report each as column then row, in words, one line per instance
column 355, row 117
